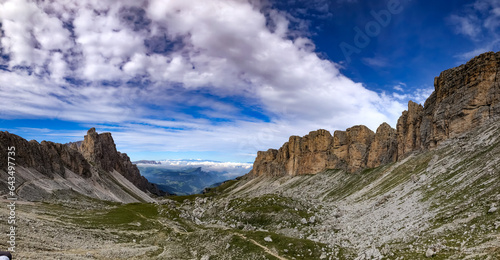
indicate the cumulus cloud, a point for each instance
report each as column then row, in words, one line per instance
column 143, row 64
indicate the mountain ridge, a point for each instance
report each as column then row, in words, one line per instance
column 465, row 97
column 92, row 167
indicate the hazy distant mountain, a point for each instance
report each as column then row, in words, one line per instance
column 184, row 177
column 146, row 162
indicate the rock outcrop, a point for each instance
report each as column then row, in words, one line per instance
column 101, row 149
column 408, row 129
column 350, row 147
column 464, row 98
column 384, row 148
column 299, row 155
column 317, row 151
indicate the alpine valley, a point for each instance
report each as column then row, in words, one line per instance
column 428, row 189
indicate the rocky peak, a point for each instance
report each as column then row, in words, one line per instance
column 101, row 149
column 315, row 152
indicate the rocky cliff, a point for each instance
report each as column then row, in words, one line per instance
column 88, row 160
column 101, row 149
column 464, row 97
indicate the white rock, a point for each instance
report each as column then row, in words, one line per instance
column 268, row 239
column 430, row 252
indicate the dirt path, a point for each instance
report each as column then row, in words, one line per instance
column 261, row 246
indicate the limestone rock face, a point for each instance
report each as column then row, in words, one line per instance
column 408, row 129
column 359, row 140
column 47, row 157
column 465, row 97
column 350, row 148
column 300, row 155
column 384, row 148
column 101, row 149
column 315, row 152
column 266, row 164
column 309, row 153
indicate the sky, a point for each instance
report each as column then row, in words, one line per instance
column 223, row 79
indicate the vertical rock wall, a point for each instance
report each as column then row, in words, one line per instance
column 464, row 97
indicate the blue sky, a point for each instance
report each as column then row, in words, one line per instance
column 222, row 79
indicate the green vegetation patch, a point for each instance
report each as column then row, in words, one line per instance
column 135, row 216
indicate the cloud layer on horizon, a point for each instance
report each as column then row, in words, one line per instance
column 228, row 169
column 142, row 67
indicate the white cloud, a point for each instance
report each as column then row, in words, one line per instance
column 420, row 95
column 466, row 25
column 219, row 47
column 30, row 34
column 228, row 170
column 400, row 87
column 417, row 95
column 480, row 22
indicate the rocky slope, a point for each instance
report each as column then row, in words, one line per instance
column 464, row 98
column 440, row 203
column 434, row 204
column 94, row 168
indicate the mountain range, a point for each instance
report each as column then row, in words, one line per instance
column 430, row 188
column 185, row 177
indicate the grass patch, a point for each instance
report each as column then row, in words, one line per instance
column 134, row 216
column 290, row 247
column 221, row 189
